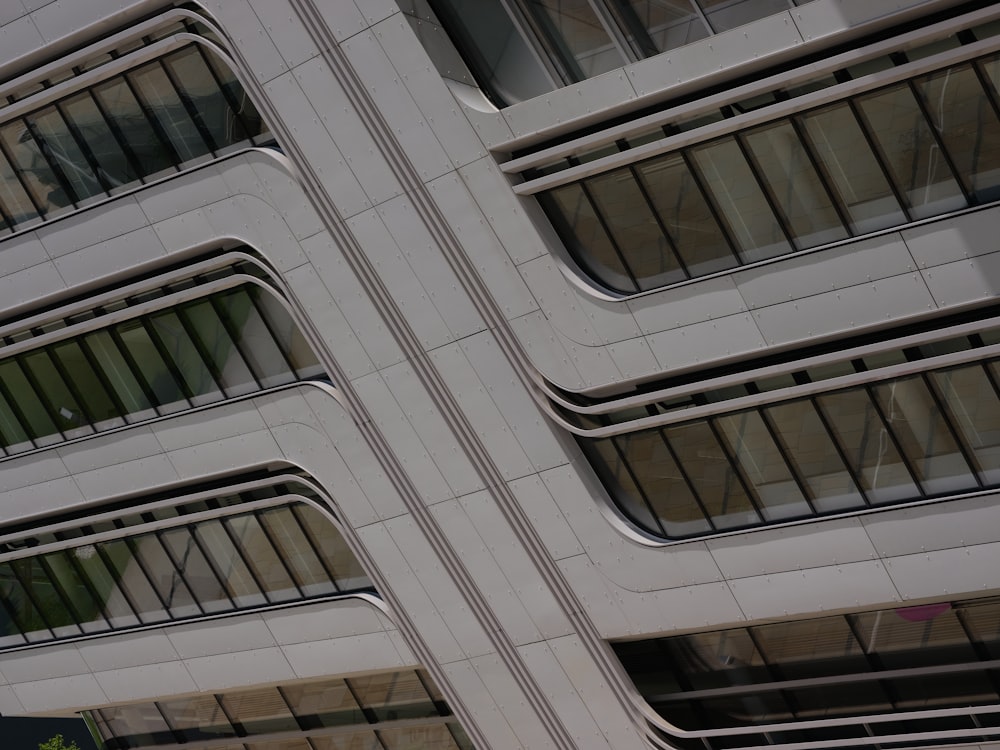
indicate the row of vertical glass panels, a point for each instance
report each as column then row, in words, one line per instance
column 226, row 344
column 130, row 128
column 908, row 151
column 892, row 441
column 788, row 671
column 185, row 568
column 362, row 704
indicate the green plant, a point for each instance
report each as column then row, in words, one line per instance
column 58, row 743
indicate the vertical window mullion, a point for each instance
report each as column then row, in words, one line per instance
column 936, row 135
column 626, row 266
column 40, row 395
column 831, row 194
column 790, row 465
column 30, row 594
column 226, row 94
column 243, row 556
column 687, row 481
column 211, row 366
column 615, row 31
column 45, row 152
column 887, row 426
column 81, row 143
column 209, row 559
column 835, row 442
column 71, row 387
column 8, row 611
column 17, row 171
column 193, row 113
column 638, row 486
column 776, row 212
column 67, row 601
column 277, row 552
column 876, row 152
column 161, row 349
column 974, row 468
column 113, row 575
column 700, row 186
column 748, row 487
column 270, row 332
column 136, row 371
column 292, row 511
column 154, row 124
column 15, row 409
column 112, row 127
column 659, row 221
column 101, row 375
column 234, row 335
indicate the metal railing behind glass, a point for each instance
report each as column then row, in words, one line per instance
column 161, row 562
column 915, row 149
column 904, row 672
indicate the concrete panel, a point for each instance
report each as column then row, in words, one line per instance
column 106, row 450
column 597, row 596
column 444, row 596
column 956, row 573
column 352, row 654
column 75, row 692
column 19, row 253
column 855, row 586
column 562, row 695
column 410, row 296
column 10, row 705
column 123, row 650
column 482, row 412
column 110, row 256
column 289, row 36
column 11, row 11
column 407, row 587
column 349, row 132
column 146, row 682
column 840, row 311
column 206, row 425
column 239, row 670
column 769, row 36
column 243, row 450
column 955, row 523
column 708, row 341
column 30, row 284
column 49, row 662
column 284, row 192
column 353, row 300
column 481, row 245
column 19, row 37
column 183, row 193
column 312, row 137
column 29, row 470
column 831, row 542
column 546, row 518
column 407, row 56
column 249, row 37
column 697, row 302
column 964, row 281
column 44, row 497
column 396, row 106
column 953, row 238
column 94, row 225
column 538, row 437
column 563, row 311
column 228, row 635
column 472, row 691
column 323, row 621
column 377, row 10
column 399, row 431
column 126, row 476
column 187, row 230
column 569, row 103
column 632, row 358
column 327, row 317
column 801, row 276
column 688, row 608
column 505, row 692
column 434, row 433
column 343, row 19
column 427, row 261
column 286, row 406
column 545, row 350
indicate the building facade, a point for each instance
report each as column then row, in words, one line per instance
column 501, row 373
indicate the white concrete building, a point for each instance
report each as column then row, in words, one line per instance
column 501, row 373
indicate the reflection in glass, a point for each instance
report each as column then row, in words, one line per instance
column 574, row 27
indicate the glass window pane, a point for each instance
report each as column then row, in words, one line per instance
column 579, row 35
column 163, row 103
column 26, row 157
column 86, row 610
column 231, row 568
column 808, row 446
column 431, row 737
column 199, row 88
column 36, row 418
column 295, row 550
column 254, row 339
column 739, row 200
column 44, row 595
column 634, row 229
column 142, row 350
column 131, row 578
column 795, row 187
column 728, row 14
column 662, row 483
column 968, row 125
column 332, row 548
column 615, row 473
column 763, row 465
column 811, row 648
column 983, row 622
column 12, row 434
column 711, row 474
column 916, row 421
column 117, row 607
column 295, row 346
column 686, row 215
column 197, row 718
column 98, row 404
column 197, row 573
column 586, row 238
column 245, row 108
column 868, row 446
column 16, row 203
column 119, row 375
column 924, row 635
column 164, row 576
column 909, row 150
column 669, row 23
column 323, row 704
column 261, row 557
column 71, row 419
column 25, row 618
column 135, row 725
column 62, row 149
column 259, row 711
column 393, row 695
column 720, row 659
column 93, row 130
column 127, row 116
column 852, row 169
column 228, row 363
column 186, row 358
column 975, row 411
